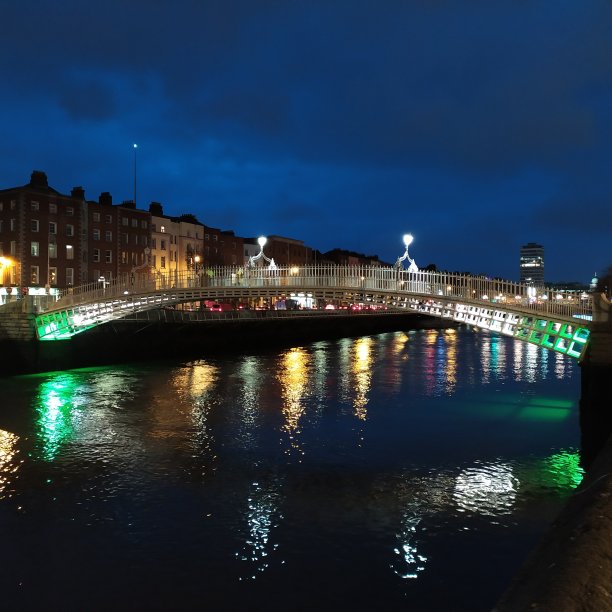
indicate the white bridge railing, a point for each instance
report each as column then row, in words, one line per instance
column 361, row 281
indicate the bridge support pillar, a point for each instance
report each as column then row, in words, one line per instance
column 596, row 391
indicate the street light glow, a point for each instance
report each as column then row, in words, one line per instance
column 261, row 241
column 407, row 238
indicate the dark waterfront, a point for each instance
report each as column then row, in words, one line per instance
column 406, row 471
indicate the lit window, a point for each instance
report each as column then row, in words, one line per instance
column 34, row 249
column 69, row 251
column 52, row 250
column 162, row 229
column 52, row 276
column 34, row 275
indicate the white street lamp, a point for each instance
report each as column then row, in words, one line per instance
column 407, row 239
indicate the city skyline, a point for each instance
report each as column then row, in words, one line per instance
column 475, row 129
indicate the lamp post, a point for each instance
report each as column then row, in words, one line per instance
column 135, row 149
column 407, row 239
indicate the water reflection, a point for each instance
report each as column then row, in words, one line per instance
column 486, row 489
column 293, row 377
column 196, row 384
column 361, row 369
column 262, row 515
column 9, row 463
column 409, row 562
column 59, row 403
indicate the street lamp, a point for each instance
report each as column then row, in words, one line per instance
column 135, row 149
column 407, row 239
column 261, row 241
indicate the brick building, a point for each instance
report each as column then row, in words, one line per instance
column 50, row 239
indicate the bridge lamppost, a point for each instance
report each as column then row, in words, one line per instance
column 408, row 239
column 261, row 241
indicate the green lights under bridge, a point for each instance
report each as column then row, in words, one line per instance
column 544, row 317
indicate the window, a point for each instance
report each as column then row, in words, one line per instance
column 125, row 221
column 52, row 227
column 52, row 208
column 0, row 226
column 154, row 243
column 34, row 225
column 13, row 247
column 134, row 222
column 34, row 249
column 124, row 257
column 52, row 250
column 206, row 236
column 96, row 234
column 215, row 237
column 69, row 251
column 13, row 204
column 108, row 256
column 69, row 276
column 108, row 218
column 125, row 239
column 69, row 230
column 163, row 245
column 144, row 240
column 135, row 238
column 35, row 206
column 1, row 206
column 108, row 236
column 163, row 262
column 96, row 255
column 96, row 217
column 52, row 276
column 13, row 224
column 144, row 224
column 34, row 275
column 69, row 211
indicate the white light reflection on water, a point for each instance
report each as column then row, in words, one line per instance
column 262, row 515
column 486, row 489
column 410, row 561
column 9, row 463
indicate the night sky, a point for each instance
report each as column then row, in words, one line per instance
column 477, row 126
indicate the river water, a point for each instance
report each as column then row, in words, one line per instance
column 408, row 471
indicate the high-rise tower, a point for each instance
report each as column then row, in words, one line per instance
column 532, row 264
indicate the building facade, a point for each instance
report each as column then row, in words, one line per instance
column 531, row 264
column 53, row 240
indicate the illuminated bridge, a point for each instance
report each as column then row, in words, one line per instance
column 544, row 317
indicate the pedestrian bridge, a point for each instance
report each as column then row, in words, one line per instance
column 556, row 321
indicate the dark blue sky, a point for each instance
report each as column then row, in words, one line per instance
column 477, row 126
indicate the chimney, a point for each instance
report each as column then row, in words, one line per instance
column 38, row 179
column 155, row 208
column 106, row 199
column 78, row 193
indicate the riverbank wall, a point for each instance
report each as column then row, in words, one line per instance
column 172, row 334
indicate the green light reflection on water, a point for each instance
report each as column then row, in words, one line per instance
column 562, row 470
column 57, row 405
